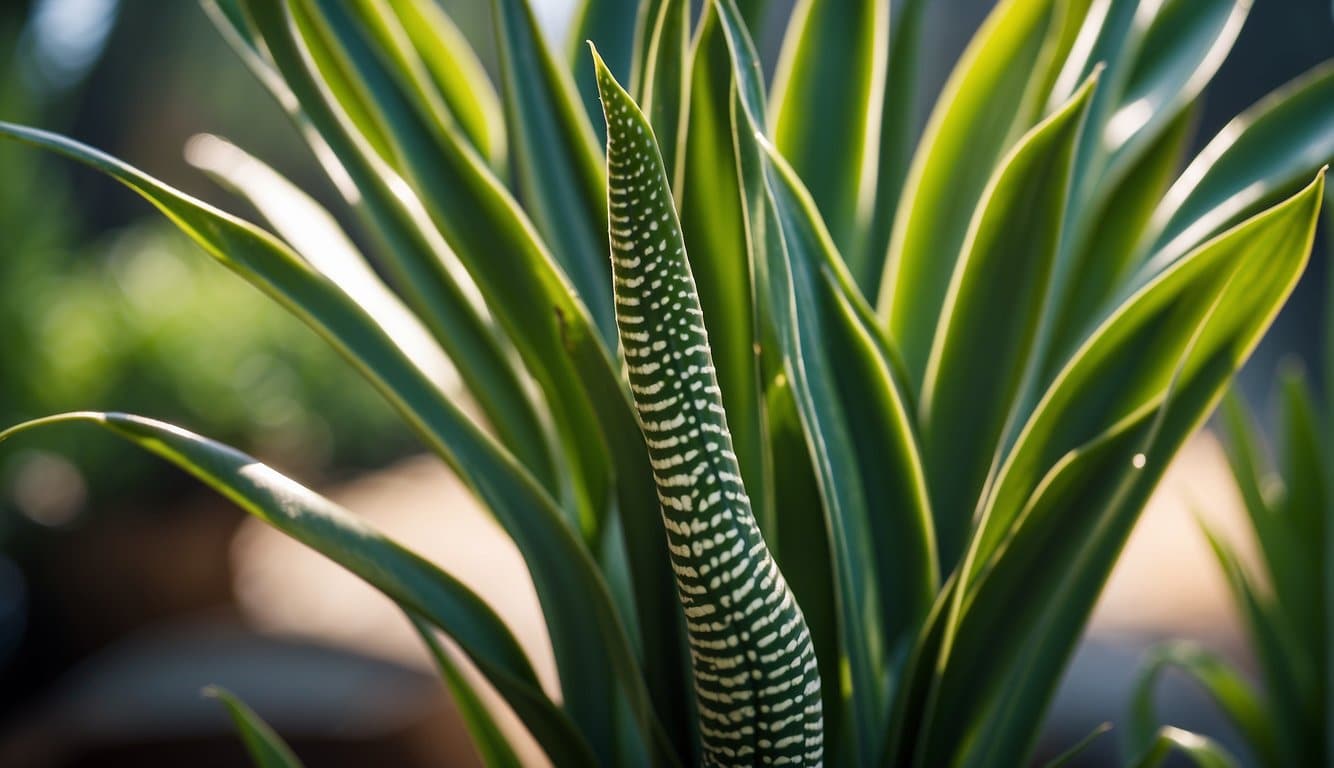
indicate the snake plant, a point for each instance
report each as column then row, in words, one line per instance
column 1283, row 596
column 819, row 439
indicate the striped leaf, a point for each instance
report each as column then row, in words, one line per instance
column 756, row 682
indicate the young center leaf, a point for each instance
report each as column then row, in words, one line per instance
column 756, row 682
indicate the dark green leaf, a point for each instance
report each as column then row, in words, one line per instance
column 555, row 157
column 486, row 736
column 736, row 634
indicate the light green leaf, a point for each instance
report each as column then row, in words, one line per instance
column 409, row 580
column 314, row 234
column 525, row 291
column 1233, row 695
column 735, row 633
column 1070, row 755
column 827, row 99
column 1202, row 751
column 432, row 59
column 973, row 124
column 989, row 321
column 1167, row 354
column 1132, row 358
column 555, row 157
column 1105, row 256
column 266, row 748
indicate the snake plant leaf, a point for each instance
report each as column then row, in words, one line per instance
column 970, row 129
column 418, row 259
column 1233, row 695
column 662, row 71
column 758, row 689
column 1287, row 676
column 592, row 651
column 1262, row 155
column 611, row 26
column 554, row 154
column 432, row 59
column 708, row 196
column 314, row 234
column 1302, row 510
column 528, row 296
column 1200, row 750
column 1179, row 53
column 826, row 99
column 820, row 318
column 1103, row 257
column 1133, row 356
column 989, row 320
column 1070, row 755
column 898, row 123
column 992, row 630
column 266, row 748
column 1189, row 334
column 409, row 580
column 486, row 736
column 1159, row 58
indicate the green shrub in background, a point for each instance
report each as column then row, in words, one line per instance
column 1284, row 598
column 120, row 322
column 893, row 406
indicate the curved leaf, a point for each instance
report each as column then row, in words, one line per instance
column 314, row 234
column 854, row 415
column 573, row 595
column 266, row 748
column 989, row 321
column 1262, row 155
column 1230, row 692
column 1203, row 752
column 708, row 196
column 973, row 123
column 404, row 577
column 486, row 736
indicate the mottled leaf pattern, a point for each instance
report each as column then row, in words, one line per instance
column 756, row 681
